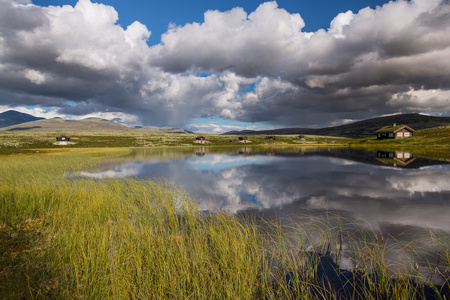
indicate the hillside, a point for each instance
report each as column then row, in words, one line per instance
column 88, row 124
column 360, row 129
column 58, row 124
column 12, row 117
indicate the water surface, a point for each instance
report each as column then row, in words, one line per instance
column 395, row 193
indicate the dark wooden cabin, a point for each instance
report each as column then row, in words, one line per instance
column 63, row 139
column 395, row 132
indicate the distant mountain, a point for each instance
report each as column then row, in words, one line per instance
column 12, row 117
column 360, row 129
column 88, row 124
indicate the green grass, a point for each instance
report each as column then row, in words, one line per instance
column 63, row 237
column 26, row 142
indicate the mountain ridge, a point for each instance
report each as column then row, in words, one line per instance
column 87, row 124
column 359, row 129
column 12, row 117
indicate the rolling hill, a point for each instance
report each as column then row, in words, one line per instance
column 360, row 129
column 88, row 124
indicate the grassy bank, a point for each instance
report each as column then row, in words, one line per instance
column 433, row 142
column 63, row 237
column 27, row 142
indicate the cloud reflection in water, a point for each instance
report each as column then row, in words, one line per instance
column 290, row 184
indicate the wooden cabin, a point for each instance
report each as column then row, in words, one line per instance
column 271, row 137
column 243, row 139
column 63, row 141
column 302, row 137
column 201, row 140
column 63, row 138
column 395, row 132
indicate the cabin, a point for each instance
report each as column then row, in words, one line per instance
column 271, row 137
column 395, row 132
column 243, row 139
column 200, row 140
column 63, row 139
column 302, row 137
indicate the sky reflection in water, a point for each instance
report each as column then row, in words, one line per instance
column 289, row 182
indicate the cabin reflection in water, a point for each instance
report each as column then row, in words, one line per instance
column 397, row 158
column 200, row 151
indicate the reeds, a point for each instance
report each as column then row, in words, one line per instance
column 63, row 237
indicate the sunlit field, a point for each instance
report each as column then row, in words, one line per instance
column 63, row 237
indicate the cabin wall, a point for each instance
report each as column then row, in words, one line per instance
column 403, row 134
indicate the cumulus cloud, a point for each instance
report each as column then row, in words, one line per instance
column 254, row 67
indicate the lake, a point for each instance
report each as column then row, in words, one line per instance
column 394, row 193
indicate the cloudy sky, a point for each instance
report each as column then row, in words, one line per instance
column 222, row 65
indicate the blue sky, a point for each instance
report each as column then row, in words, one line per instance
column 157, row 15
column 215, row 66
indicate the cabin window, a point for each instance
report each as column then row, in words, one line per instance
column 406, row 134
column 400, row 155
column 391, row 134
column 407, row 155
column 400, row 134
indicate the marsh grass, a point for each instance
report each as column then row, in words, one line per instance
column 63, row 237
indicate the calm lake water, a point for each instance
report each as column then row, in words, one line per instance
column 394, row 193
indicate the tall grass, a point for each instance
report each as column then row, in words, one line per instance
column 63, row 237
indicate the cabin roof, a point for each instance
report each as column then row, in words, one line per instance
column 395, row 128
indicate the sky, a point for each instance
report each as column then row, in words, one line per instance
column 215, row 66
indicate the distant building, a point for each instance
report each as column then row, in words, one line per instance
column 395, row 132
column 271, row 137
column 63, row 140
column 244, row 139
column 302, row 137
column 201, row 140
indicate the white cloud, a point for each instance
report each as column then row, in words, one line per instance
column 369, row 63
column 35, row 77
column 338, row 23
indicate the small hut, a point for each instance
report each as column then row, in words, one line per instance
column 63, row 140
column 244, row 139
column 200, row 140
column 271, row 137
column 302, row 137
